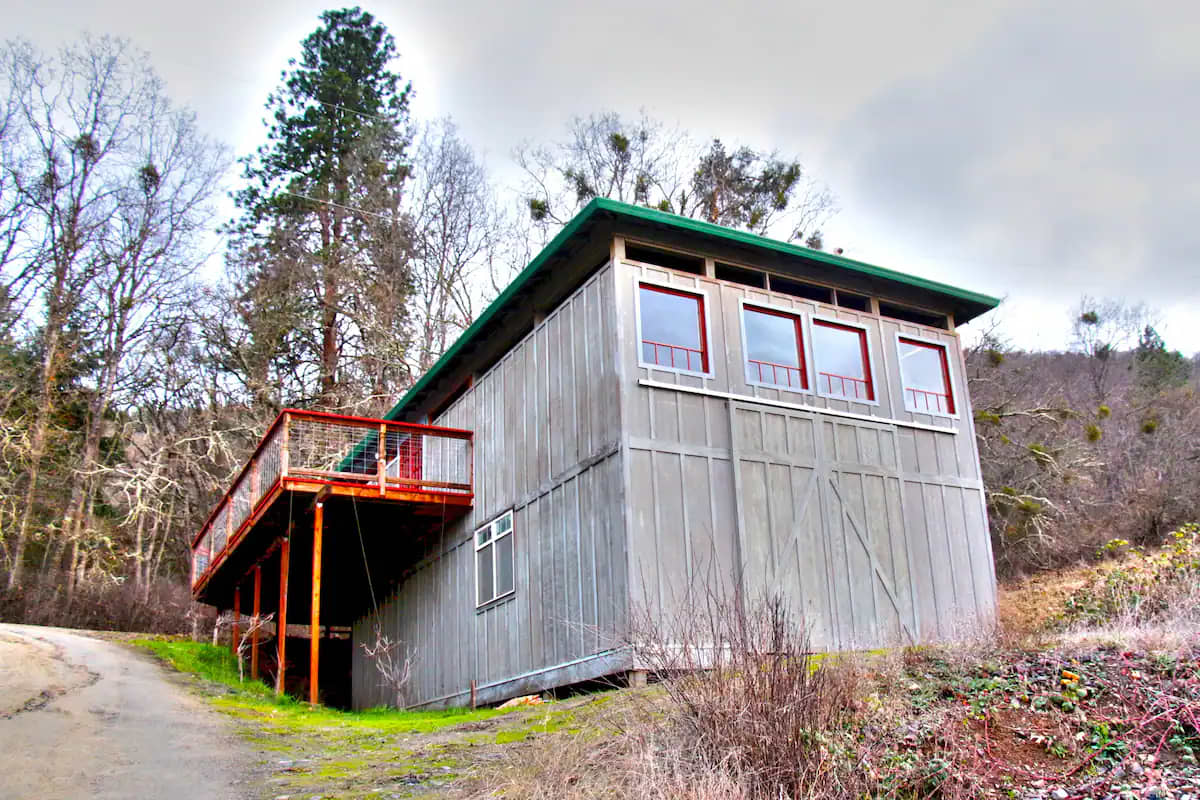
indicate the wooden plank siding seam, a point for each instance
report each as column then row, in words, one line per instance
column 832, row 412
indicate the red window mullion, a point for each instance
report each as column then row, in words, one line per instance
column 946, row 380
column 866, row 360
column 800, row 354
column 703, row 338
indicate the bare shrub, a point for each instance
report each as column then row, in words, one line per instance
column 750, row 701
column 259, row 626
column 394, row 662
column 101, row 602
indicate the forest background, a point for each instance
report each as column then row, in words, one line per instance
column 133, row 385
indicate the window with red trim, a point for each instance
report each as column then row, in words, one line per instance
column 673, row 334
column 925, row 372
column 842, row 360
column 774, row 348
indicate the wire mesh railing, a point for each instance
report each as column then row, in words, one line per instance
column 305, row 447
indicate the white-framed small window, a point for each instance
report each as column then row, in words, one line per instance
column 495, row 564
column 673, row 329
column 925, row 374
column 774, row 348
column 842, row 356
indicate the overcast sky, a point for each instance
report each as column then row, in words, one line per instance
column 1029, row 153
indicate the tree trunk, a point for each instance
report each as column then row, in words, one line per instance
column 139, row 575
column 51, row 344
column 329, row 354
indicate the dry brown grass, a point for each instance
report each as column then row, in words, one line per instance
column 738, row 709
column 748, row 700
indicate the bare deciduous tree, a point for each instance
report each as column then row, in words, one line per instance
column 1101, row 329
column 456, row 226
column 646, row 163
column 113, row 184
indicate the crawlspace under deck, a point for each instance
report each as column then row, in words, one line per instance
column 354, row 532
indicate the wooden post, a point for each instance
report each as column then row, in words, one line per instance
column 315, row 632
column 381, row 465
column 237, row 620
column 471, row 462
column 255, row 484
column 283, row 447
column 474, row 694
column 281, row 618
column 257, row 617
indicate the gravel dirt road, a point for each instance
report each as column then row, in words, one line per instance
column 85, row 718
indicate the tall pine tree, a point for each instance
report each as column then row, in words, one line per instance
column 320, row 214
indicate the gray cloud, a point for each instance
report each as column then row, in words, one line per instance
column 1026, row 149
column 1062, row 148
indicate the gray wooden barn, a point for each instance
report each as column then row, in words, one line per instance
column 655, row 406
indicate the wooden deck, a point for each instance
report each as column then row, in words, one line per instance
column 359, row 493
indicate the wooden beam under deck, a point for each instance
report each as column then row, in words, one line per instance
column 428, row 502
column 370, row 491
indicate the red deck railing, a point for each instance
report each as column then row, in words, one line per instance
column 306, row 448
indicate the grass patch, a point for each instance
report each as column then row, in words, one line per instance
column 254, row 701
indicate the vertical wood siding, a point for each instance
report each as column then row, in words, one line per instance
column 547, row 433
column 872, row 530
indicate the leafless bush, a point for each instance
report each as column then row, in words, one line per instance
column 257, row 627
column 393, row 660
column 749, row 700
column 101, row 603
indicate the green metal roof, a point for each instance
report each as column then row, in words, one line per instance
column 602, row 207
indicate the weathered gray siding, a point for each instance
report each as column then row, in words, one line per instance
column 867, row 517
column 547, row 431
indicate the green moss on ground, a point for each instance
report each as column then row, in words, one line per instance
column 380, row 752
column 254, row 701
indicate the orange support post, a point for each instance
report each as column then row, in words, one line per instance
column 237, row 620
column 281, row 619
column 257, row 617
column 315, row 632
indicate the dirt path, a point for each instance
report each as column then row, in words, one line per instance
column 84, row 718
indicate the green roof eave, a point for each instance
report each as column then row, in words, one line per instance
column 763, row 243
column 569, row 230
column 980, row 302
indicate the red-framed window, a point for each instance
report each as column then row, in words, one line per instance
column 925, row 372
column 843, row 361
column 774, row 348
column 672, row 328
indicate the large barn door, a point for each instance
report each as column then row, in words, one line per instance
column 821, row 525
